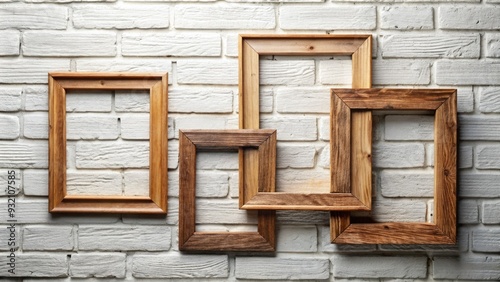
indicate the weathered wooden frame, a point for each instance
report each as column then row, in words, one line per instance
column 357, row 195
column 59, row 200
column 444, row 103
column 263, row 142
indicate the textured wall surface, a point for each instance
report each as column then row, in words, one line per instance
column 417, row 43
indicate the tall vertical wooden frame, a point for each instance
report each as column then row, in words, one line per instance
column 354, row 191
column 444, row 103
column 59, row 200
column 263, row 142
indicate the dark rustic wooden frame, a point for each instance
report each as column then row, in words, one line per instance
column 263, row 142
column 59, row 200
column 355, row 196
column 444, row 103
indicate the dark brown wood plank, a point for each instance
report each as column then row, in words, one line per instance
column 187, row 188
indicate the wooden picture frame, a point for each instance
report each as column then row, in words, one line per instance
column 356, row 195
column 263, row 142
column 444, row 103
column 59, row 200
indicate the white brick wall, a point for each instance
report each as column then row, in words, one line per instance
column 417, row 43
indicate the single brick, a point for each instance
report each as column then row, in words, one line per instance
column 327, row 18
column 492, row 45
column 398, row 210
column 11, row 99
column 134, row 126
column 48, row 238
column 88, row 101
column 196, row 100
column 465, row 99
column 295, row 156
column 65, row 44
column 9, row 46
column 488, row 157
column 469, row 17
column 224, row 17
column 464, row 156
column 467, row 267
column 132, row 101
column 486, row 240
column 479, row 128
column 303, row 240
column 124, row 238
column 468, row 213
column 211, row 184
column 287, row 72
column 93, row 182
column 33, row 154
column 395, row 155
column 282, row 268
column 199, row 122
column 479, row 185
column 401, row 72
column 136, row 182
column 407, row 17
column 224, row 72
column 491, row 212
column 324, row 128
column 303, row 100
column 36, row 98
column 336, row 72
column 292, row 128
column 231, row 45
column 36, row 125
column 121, row 17
column 112, row 154
column 100, row 265
column 407, row 184
column 408, row 267
column 409, row 127
column 176, row 265
column 36, row 182
column 23, row 70
column 9, row 127
column 35, row 265
column 212, row 211
column 165, row 44
column 28, row 16
column 125, row 65
column 467, row 72
column 489, row 99
column 93, row 127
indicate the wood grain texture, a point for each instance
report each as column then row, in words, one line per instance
column 251, row 47
column 263, row 146
column 59, row 201
column 443, row 230
column 340, row 146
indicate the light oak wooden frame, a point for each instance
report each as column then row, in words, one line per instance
column 444, row 103
column 59, row 200
column 355, row 196
column 263, row 142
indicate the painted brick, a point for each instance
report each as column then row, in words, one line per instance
column 175, row 265
column 327, row 17
column 10, row 234
column 98, row 265
column 409, row 127
column 326, row 246
column 165, row 44
column 303, row 218
column 93, row 127
column 408, row 210
column 336, row 72
column 36, row 125
column 489, row 99
column 468, row 213
column 231, row 44
column 48, row 238
column 468, row 17
column 65, row 44
column 303, row 240
column 124, row 238
column 134, row 126
column 292, row 128
column 199, row 122
column 390, row 72
column 324, row 128
column 9, row 127
column 324, row 157
column 492, row 45
column 471, row 267
column 200, row 100
column 132, row 101
column 287, row 72
column 407, row 17
column 33, row 17
column 112, row 154
column 121, row 17
column 173, row 154
column 211, row 211
column 295, row 156
column 125, row 65
column 465, row 99
column 464, row 155
column 36, row 99
column 481, row 185
column 36, row 182
column 398, row 155
column 136, row 182
column 303, row 100
column 36, row 265
column 21, row 70
column 11, row 99
column 88, row 101
column 13, row 185
column 407, row 184
column 9, row 46
column 428, row 46
column 467, row 72
column 93, row 183
column 207, row 71
column 491, row 212
column 486, row 240
column 281, row 268
column 212, row 184
column 479, row 128
column 266, row 101
column 379, row 266
column 23, row 154
column 488, row 157
column 224, row 17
